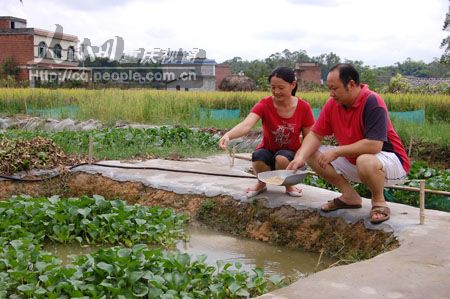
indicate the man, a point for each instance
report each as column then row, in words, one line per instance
column 369, row 151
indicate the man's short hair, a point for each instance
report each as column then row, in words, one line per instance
column 347, row 72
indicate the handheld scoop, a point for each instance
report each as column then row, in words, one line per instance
column 282, row 177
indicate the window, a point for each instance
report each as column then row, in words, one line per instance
column 57, row 51
column 70, row 53
column 42, row 50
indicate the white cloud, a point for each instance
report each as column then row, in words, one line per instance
column 378, row 32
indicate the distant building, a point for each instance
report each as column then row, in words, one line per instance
column 197, row 75
column 308, row 72
column 417, row 81
column 42, row 55
column 222, row 71
column 46, row 56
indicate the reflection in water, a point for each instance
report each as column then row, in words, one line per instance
column 273, row 259
column 220, row 246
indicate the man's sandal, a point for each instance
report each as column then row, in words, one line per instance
column 385, row 211
column 337, row 204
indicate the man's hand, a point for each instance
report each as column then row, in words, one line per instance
column 223, row 142
column 295, row 164
column 327, row 157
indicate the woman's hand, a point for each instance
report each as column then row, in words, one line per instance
column 223, row 142
column 239, row 130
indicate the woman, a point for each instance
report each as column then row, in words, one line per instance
column 284, row 117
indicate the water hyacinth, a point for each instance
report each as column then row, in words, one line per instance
column 134, row 271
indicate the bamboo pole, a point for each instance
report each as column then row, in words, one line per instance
column 233, row 154
column 422, row 201
column 241, row 157
column 405, row 188
column 90, row 149
column 26, row 107
column 415, row 189
column 410, row 145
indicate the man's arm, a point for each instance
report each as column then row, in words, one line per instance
column 363, row 146
column 375, row 132
column 310, row 145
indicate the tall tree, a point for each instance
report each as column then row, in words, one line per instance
column 413, row 68
column 237, row 65
column 445, row 58
column 10, row 68
column 326, row 62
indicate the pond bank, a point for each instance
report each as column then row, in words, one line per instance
column 419, row 268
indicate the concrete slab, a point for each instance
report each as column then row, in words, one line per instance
column 419, row 268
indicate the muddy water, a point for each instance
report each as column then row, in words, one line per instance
column 293, row 264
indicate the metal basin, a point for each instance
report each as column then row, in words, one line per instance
column 282, row 177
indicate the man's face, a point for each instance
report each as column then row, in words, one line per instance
column 338, row 91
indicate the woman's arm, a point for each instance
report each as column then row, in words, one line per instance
column 305, row 131
column 239, row 130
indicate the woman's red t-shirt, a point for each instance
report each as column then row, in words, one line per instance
column 282, row 133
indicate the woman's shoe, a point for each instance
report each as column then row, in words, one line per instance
column 296, row 192
column 250, row 193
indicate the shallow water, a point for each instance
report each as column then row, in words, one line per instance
column 291, row 263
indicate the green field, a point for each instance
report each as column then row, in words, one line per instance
column 188, row 108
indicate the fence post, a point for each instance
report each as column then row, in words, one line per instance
column 422, row 201
column 90, row 149
column 410, row 145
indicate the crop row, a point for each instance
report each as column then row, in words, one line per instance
column 156, row 106
column 110, row 143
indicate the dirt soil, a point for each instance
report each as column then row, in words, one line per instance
column 435, row 155
column 285, row 226
column 37, row 153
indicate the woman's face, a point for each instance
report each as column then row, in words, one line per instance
column 281, row 89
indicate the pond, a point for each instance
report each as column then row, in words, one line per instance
column 292, row 263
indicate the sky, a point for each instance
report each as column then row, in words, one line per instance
column 377, row 32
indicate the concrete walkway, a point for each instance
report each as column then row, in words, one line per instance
column 419, row 268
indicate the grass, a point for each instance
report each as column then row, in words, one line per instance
column 158, row 106
column 184, row 108
column 161, row 142
column 429, row 132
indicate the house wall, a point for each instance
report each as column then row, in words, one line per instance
column 202, row 84
column 308, row 73
column 20, row 47
column 51, row 42
column 310, row 76
column 5, row 24
column 222, row 71
column 201, row 77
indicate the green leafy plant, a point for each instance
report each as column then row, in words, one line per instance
column 110, row 143
column 135, row 271
column 434, row 179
